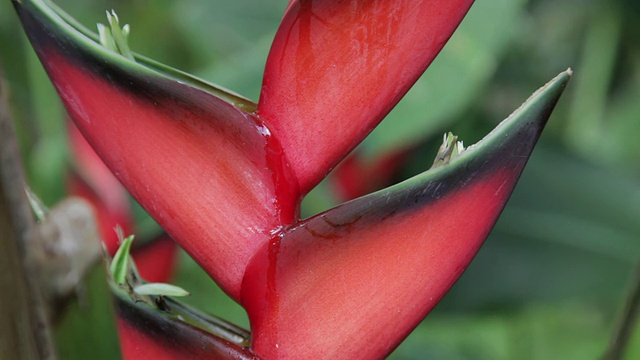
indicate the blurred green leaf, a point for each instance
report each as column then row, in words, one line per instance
column 88, row 327
column 586, row 122
column 248, row 65
column 562, row 332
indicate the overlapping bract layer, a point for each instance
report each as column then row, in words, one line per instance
column 208, row 172
column 221, row 182
column 373, row 267
column 147, row 333
column 226, row 182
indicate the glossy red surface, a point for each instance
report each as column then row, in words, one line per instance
column 326, row 288
column 349, row 283
column 336, row 68
column 94, row 182
column 209, row 173
column 136, row 345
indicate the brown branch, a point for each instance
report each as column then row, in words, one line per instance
column 627, row 321
column 24, row 327
column 68, row 249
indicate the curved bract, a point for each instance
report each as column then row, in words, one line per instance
column 354, row 281
column 220, row 182
column 175, row 332
column 336, row 68
column 225, row 182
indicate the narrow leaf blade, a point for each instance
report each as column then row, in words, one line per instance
column 120, row 261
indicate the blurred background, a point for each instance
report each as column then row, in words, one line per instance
column 552, row 278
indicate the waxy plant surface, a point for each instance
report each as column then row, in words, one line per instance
column 225, row 177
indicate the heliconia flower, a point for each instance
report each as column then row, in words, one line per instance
column 234, row 179
column 220, row 183
column 225, row 176
column 373, row 267
column 152, row 326
column 94, row 182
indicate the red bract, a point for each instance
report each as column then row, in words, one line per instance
column 93, row 181
column 336, row 68
column 219, row 184
column 146, row 334
column 234, row 179
column 225, row 176
column 373, row 267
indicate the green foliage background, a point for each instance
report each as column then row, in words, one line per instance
column 551, row 278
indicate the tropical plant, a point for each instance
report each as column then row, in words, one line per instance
column 225, row 178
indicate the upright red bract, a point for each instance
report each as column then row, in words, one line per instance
column 225, row 176
column 336, row 68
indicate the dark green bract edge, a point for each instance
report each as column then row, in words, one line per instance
column 76, row 33
column 508, row 146
column 525, row 122
column 176, row 324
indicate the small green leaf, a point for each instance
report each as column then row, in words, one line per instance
column 120, row 260
column 160, row 289
column 115, row 38
column 106, row 39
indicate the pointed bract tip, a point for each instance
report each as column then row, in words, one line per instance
column 537, row 108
